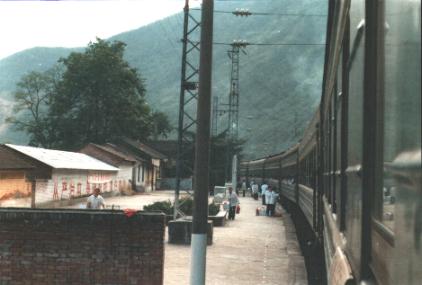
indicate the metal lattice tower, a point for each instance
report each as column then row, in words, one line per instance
column 234, row 93
column 233, row 106
column 188, row 103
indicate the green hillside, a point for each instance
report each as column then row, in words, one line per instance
column 280, row 86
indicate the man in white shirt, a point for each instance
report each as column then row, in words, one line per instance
column 270, row 199
column 95, row 201
column 254, row 189
column 264, row 188
column 233, row 202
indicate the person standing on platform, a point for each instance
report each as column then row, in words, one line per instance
column 233, row 202
column 254, row 188
column 264, row 188
column 243, row 188
column 95, row 201
column 271, row 199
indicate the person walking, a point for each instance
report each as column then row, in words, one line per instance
column 95, row 201
column 254, row 188
column 271, row 199
column 243, row 188
column 264, row 188
column 233, row 202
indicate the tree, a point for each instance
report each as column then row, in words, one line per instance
column 29, row 112
column 90, row 96
column 99, row 98
column 161, row 125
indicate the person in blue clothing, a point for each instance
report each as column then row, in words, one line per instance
column 270, row 199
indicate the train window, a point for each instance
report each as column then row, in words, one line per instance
column 402, row 95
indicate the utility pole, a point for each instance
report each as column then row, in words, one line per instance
column 202, row 155
column 187, row 103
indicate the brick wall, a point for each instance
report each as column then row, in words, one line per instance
column 80, row 247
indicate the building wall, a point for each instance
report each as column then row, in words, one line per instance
column 13, row 185
column 81, row 247
column 68, row 184
column 143, row 177
column 125, row 174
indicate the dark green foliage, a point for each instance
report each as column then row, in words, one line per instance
column 99, row 98
column 161, row 125
column 186, row 207
column 163, row 206
column 30, row 111
column 213, row 209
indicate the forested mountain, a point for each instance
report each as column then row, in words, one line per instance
column 280, row 86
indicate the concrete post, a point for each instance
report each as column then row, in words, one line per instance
column 202, row 150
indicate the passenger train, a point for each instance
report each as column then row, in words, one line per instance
column 353, row 182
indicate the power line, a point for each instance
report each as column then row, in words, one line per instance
column 271, row 44
column 274, row 44
column 246, row 13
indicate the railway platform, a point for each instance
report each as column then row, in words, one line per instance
column 249, row 250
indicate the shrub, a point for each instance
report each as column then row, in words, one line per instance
column 213, row 209
column 163, row 206
column 186, row 207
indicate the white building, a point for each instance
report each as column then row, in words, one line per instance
column 61, row 175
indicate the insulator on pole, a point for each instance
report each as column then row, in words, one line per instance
column 242, row 12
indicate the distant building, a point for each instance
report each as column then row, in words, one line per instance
column 139, row 164
column 128, row 175
column 149, row 172
column 169, row 149
column 168, row 176
column 36, row 176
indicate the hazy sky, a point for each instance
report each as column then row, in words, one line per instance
column 26, row 24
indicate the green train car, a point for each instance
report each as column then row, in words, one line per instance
column 354, row 179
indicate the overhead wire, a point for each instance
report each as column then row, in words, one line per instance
column 265, row 13
column 270, row 44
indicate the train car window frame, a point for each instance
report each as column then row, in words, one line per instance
column 334, row 149
column 344, row 122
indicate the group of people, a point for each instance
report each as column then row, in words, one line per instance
column 268, row 196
